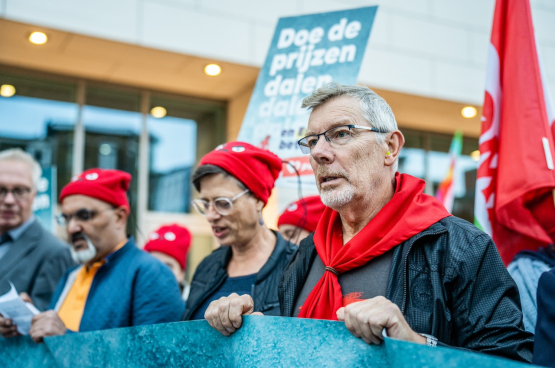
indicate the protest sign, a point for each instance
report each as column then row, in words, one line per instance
column 306, row 52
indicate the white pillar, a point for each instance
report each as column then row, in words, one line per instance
column 429, row 189
column 143, row 172
column 79, row 133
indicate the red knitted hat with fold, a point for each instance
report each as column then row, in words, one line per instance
column 109, row 186
column 258, row 169
column 173, row 240
column 293, row 214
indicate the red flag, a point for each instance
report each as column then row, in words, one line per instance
column 516, row 145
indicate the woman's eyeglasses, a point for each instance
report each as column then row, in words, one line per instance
column 222, row 205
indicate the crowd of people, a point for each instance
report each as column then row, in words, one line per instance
column 371, row 250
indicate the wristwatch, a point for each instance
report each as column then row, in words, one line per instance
column 430, row 340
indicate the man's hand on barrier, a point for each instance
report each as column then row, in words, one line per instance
column 47, row 324
column 7, row 328
column 225, row 314
column 368, row 318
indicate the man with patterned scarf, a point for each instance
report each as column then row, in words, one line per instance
column 385, row 257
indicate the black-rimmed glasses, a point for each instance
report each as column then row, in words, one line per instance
column 82, row 215
column 336, row 136
column 222, row 205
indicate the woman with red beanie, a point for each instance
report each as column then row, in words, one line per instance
column 234, row 183
column 300, row 218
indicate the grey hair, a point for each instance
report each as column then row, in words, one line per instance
column 17, row 154
column 206, row 170
column 375, row 110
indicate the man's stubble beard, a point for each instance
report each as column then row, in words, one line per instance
column 335, row 198
column 338, row 198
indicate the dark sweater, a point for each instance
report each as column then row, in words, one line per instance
column 544, row 353
column 212, row 273
column 131, row 289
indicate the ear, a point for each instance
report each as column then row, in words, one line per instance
column 394, row 142
column 121, row 215
column 181, row 275
column 259, row 205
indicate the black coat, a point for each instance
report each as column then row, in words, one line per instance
column 544, row 347
column 212, row 273
column 449, row 282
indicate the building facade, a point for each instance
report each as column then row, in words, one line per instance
column 88, row 96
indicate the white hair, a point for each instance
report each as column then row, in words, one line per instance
column 17, row 154
column 375, row 110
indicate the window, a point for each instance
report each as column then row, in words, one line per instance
column 40, row 119
column 175, row 146
column 48, row 112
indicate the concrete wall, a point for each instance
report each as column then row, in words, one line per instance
column 434, row 48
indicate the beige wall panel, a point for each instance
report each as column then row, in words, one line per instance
column 109, row 61
column 236, row 109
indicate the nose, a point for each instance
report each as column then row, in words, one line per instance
column 211, row 213
column 322, row 153
column 73, row 226
column 9, row 198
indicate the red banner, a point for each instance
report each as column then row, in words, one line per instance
column 516, row 145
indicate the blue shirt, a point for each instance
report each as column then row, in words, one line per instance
column 15, row 234
column 240, row 285
column 131, row 289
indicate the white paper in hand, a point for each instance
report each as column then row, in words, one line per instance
column 20, row 312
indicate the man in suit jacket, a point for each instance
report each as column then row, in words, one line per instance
column 30, row 257
column 544, row 354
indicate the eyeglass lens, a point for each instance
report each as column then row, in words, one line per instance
column 81, row 215
column 222, row 205
column 17, row 192
column 339, row 136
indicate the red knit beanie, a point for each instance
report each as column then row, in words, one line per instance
column 109, row 186
column 257, row 169
column 173, row 240
column 294, row 214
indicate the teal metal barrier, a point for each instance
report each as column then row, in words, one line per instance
column 22, row 352
column 261, row 342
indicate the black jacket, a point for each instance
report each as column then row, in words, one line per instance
column 544, row 353
column 449, row 282
column 212, row 273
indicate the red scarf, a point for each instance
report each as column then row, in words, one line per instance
column 408, row 213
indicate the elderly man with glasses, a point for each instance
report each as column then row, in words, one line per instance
column 31, row 258
column 234, row 183
column 385, row 258
column 115, row 284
